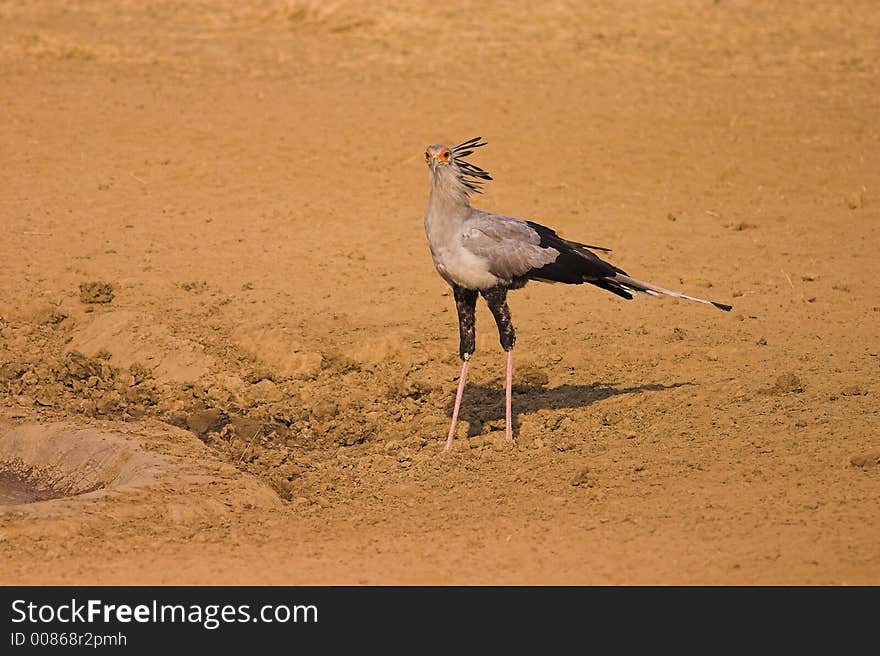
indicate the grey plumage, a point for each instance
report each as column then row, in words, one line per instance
column 509, row 246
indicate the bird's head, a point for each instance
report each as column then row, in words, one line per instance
column 448, row 163
column 438, row 155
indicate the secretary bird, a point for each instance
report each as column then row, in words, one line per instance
column 486, row 254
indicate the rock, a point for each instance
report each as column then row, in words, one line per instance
column 610, row 419
column 285, row 489
column 95, row 292
column 263, row 392
column 177, row 419
column 583, row 478
column 244, row 427
column 48, row 315
column 491, row 426
column 218, row 395
column 865, row 460
column 81, row 367
column 742, row 225
column 106, row 405
column 434, row 423
column 853, row 390
column 139, row 373
column 787, row 383
column 351, row 439
column 203, row 422
column 324, row 409
column 497, row 440
column 530, row 376
column 565, row 444
column 855, row 200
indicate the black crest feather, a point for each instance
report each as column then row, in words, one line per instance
column 471, row 175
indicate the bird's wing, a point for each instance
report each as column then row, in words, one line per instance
column 522, row 249
column 515, row 248
column 510, row 246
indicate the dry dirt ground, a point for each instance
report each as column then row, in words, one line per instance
column 212, row 250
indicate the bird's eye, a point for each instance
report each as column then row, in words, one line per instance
column 427, row 155
column 445, row 154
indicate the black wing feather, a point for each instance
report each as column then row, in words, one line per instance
column 575, row 265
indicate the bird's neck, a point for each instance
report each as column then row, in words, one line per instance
column 448, row 208
column 448, row 195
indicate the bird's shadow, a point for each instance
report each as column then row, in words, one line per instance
column 485, row 403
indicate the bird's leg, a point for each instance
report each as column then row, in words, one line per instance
column 496, row 299
column 465, row 303
column 508, row 412
column 458, row 393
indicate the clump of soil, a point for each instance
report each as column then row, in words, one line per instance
column 529, row 375
column 583, row 478
column 95, row 292
column 787, row 383
column 866, row 460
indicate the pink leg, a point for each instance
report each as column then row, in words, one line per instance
column 461, row 379
column 508, row 414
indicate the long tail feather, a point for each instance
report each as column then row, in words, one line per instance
column 648, row 288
